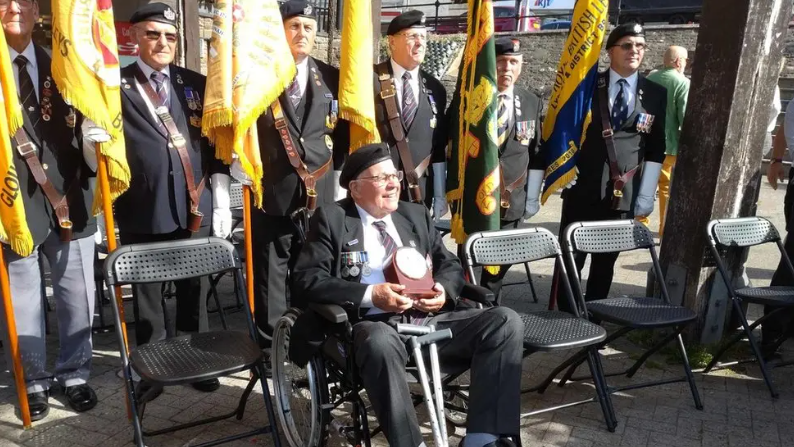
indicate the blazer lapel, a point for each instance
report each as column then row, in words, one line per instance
column 406, row 231
column 638, row 108
column 353, row 240
column 178, row 101
column 130, row 88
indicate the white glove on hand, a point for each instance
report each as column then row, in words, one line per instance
column 221, row 212
column 647, row 192
column 534, row 183
column 440, row 206
column 236, row 170
column 339, row 192
column 92, row 134
column 99, row 236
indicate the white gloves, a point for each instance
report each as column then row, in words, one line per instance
column 236, row 170
column 221, row 212
column 92, row 134
column 99, row 236
column 339, row 192
column 440, row 206
column 534, row 183
column 647, row 192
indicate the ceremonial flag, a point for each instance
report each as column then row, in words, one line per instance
column 250, row 65
column 572, row 95
column 85, row 67
column 14, row 228
column 356, row 92
column 473, row 167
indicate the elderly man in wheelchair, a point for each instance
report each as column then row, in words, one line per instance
column 340, row 275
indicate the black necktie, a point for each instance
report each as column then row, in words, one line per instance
column 27, row 93
column 620, row 109
column 501, row 119
column 409, row 102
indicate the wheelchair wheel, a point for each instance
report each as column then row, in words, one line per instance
column 301, row 393
column 456, row 407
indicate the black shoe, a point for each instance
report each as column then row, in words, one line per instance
column 38, row 405
column 501, row 442
column 80, row 397
column 142, row 388
column 207, row 386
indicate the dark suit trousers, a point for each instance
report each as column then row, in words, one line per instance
column 780, row 324
column 494, row 282
column 489, row 342
column 151, row 319
column 602, row 265
column 275, row 248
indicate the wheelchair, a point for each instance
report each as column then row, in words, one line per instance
column 307, row 395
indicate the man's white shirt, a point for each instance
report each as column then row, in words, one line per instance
column 376, row 253
column 629, row 92
column 32, row 66
column 147, row 71
column 398, row 71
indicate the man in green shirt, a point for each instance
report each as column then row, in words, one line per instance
column 672, row 78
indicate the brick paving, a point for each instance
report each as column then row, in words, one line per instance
column 738, row 409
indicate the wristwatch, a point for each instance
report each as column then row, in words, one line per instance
column 777, row 160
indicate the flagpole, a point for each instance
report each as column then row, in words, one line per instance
column 19, row 376
column 249, row 251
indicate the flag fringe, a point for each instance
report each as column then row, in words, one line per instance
column 560, row 183
column 22, row 243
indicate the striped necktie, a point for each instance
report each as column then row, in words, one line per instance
column 159, row 88
column 409, row 101
column 27, row 93
column 294, row 93
column 502, row 119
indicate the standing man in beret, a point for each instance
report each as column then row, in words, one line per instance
column 309, row 109
column 179, row 189
column 518, row 132
column 54, row 183
column 409, row 110
column 621, row 158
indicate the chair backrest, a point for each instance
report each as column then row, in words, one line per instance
column 741, row 232
column 507, row 247
column 609, row 236
column 169, row 261
column 236, row 195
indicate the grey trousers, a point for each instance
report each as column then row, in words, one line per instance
column 489, row 342
column 72, row 275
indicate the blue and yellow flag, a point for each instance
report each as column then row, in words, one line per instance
column 569, row 113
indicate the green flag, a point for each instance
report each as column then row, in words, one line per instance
column 473, row 163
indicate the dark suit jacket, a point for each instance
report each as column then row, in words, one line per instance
column 423, row 140
column 517, row 151
column 58, row 147
column 157, row 201
column 337, row 228
column 311, row 134
column 594, row 184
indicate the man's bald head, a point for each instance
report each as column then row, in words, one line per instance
column 676, row 57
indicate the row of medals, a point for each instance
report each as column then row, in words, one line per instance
column 355, row 263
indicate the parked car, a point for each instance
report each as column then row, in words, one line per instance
column 504, row 21
column 556, row 24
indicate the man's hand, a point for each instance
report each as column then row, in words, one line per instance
column 387, row 297
column 432, row 305
column 774, row 173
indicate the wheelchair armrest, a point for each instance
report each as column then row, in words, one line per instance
column 478, row 294
column 330, row 312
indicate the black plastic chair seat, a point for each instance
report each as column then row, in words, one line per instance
column 550, row 330
column 195, row 357
column 640, row 312
column 775, row 295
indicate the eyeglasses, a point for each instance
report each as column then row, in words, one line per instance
column 415, row 37
column 23, row 4
column 628, row 46
column 380, row 180
column 155, row 35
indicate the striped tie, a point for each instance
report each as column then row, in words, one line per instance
column 501, row 119
column 409, row 102
column 159, row 87
column 27, row 93
column 294, row 93
column 620, row 109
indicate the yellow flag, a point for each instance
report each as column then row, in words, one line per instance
column 250, row 65
column 356, row 92
column 14, row 226
column 85, row 67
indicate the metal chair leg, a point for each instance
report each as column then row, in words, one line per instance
column 690, row 377
column 531, row 283
column 601, row 391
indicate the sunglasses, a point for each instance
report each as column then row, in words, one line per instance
column 23, row 4
column 155, row 36
column 628, row 46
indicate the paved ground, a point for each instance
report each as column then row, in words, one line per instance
column 738, row 409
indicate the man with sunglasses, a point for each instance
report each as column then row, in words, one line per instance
column 410, row 112
column 178, row 189
column 621, row 158
column 343, row 263
column 51, row 171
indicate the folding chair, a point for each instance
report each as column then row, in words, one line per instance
column 744, row 233
column 544, row 330
column 629, row 313
column 189, row 358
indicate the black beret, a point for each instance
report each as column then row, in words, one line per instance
column 154, row 12
column 506, row 46
column 626, row 29
column 292, row 8
column 360, row 160
column 408, row 19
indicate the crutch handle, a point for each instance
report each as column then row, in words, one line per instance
column 433, row 337
column 412, row 329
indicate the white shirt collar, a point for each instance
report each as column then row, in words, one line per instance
column 508, row 93
column 398, row 71
column 614, row 77
column 367, row 219
column 147, row 70
column 29, row 52
column 303, row 74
